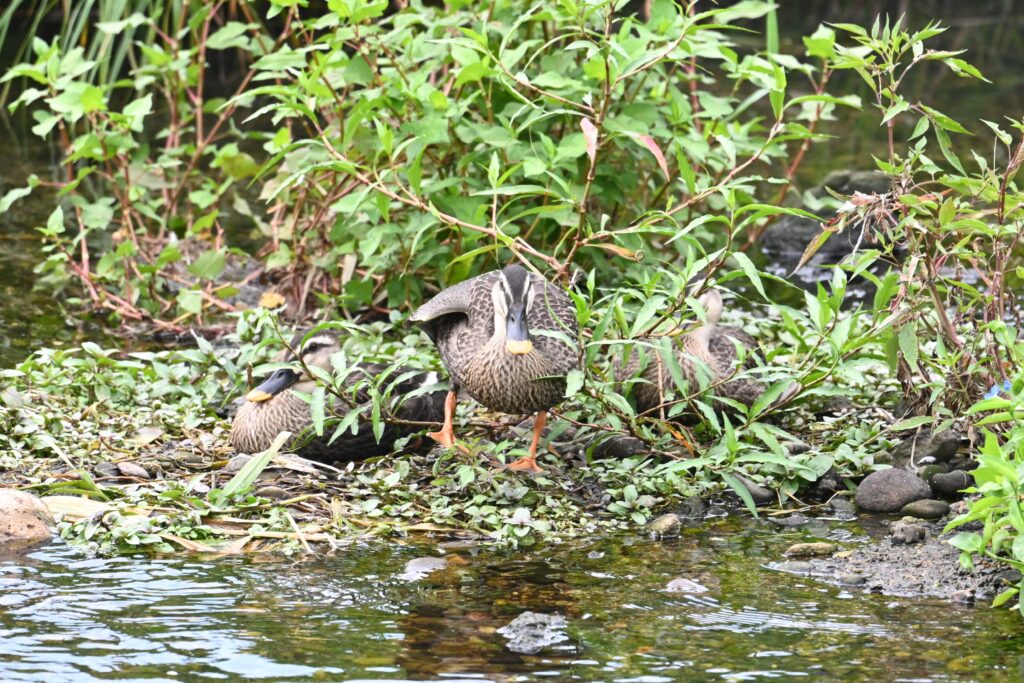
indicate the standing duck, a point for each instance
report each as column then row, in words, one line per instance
column 508, row 338
column 275, row 406
column 712, row 346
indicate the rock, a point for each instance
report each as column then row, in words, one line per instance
column 422, row 566
column 950, row 484
column 25, row 520
column 130, row 469
column 810, row 550
column 962, row 597
column 889, row 490
column 685, row 586
column 106, row 469
column 842, row 508
column 786, row 239
column 794, row 567
column 273, row 492
column 665, row 526
column 236, row 463
column 796, row 447
column 905, row 532
column 564, row 432
column 531, row 632
column 827, row 485
column 194, row 458
column 963, row 462
column 691, row 509
column 941, row 447
column 619, row 447
column 760, row 494
column 851, row 579
column 925, row 509
column 836, row 405
column 847, row 182
column 928, row 472
column 796, row 519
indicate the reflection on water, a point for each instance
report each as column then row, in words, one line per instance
column 350, row 617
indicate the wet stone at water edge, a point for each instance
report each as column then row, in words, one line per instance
column 24, row 520
column 889, row 490
column 531, row 632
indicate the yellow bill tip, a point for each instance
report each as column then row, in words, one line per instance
column 258, row 396
column 519, row 348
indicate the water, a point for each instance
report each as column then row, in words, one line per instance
column 65, row 617
column 30, row 317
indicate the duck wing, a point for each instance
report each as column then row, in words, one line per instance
column 457, row 300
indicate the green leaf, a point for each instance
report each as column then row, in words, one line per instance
column 912, row 423
column 14, row 195
column 137, row 110
column 317, row 409
column 358, row 71
column 647, row 312
column 968, row 541
column 231, row 35
column 908, row 343
column 742, row 491
column 573, row 382
column 55, row 223
column 750, row 271
column 1006, row 595
column 251, row 470
column 209, row 264
column 471, row 73
column 901, row 106
column 190, row 301
column 821, row 43
column 629, row 493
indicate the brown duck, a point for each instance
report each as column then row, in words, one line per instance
column 275, row 406
column 508, row 339
column 712, row 346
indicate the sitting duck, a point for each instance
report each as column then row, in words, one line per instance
column 275, row 406
column 712, row 345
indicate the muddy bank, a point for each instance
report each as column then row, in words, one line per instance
column 906, row 558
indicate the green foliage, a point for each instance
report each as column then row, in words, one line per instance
column 999, row 479
column 948, row 341
column 427, row 142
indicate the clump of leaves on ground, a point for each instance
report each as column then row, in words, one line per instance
column 71, row 413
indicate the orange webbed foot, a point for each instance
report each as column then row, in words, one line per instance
column 445, row 437
column 526, row 464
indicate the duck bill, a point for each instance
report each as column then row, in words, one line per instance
column 517, row 336
column 273, row 385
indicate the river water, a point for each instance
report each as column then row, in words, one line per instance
column 359, row 615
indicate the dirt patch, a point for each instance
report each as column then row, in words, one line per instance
column 930, row 568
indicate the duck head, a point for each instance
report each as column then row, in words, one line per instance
column 513, row 296
column 315, row 352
